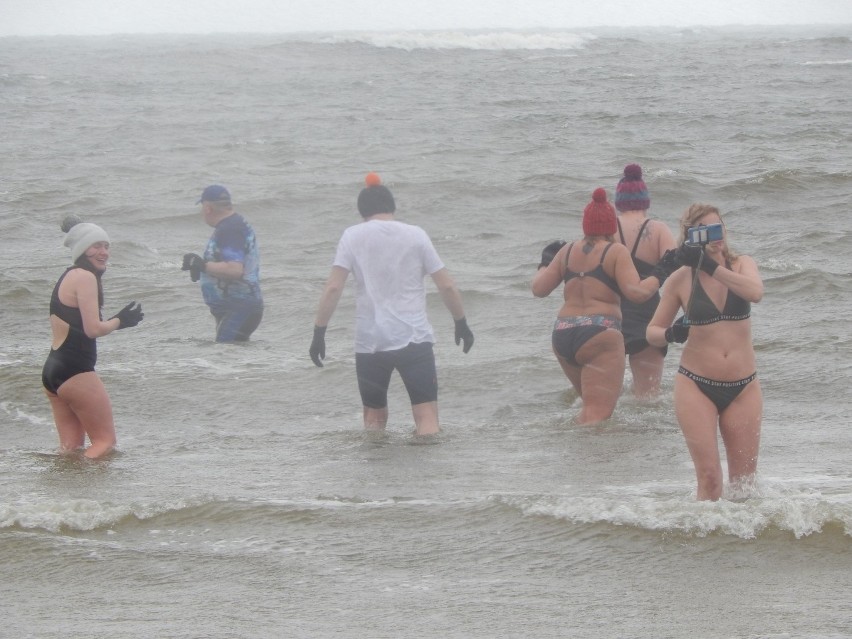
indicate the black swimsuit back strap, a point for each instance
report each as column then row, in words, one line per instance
column 639, row 237
column 565, row 262
column 566, row 272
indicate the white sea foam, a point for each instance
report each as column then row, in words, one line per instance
column 82, row 514
column 18, row 414
column 816, row 63
column 800, row 511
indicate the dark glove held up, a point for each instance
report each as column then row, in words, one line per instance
column 709, row 265
column 317, row 349
column 689, row 254
column 463, row 333
column 549, row 253
column 195, row 264
column 677, row 332
column 667, row 265
column 129, row 316
column 692, row 254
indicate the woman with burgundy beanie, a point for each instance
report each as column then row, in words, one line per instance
column 596, row 273
column 648, row 240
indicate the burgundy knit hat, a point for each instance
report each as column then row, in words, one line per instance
column 599, row 216
column 631, row 194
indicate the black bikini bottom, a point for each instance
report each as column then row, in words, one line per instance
column 720, row 393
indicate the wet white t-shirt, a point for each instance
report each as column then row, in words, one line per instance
column 389, row 260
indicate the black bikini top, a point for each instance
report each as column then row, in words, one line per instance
column 703, row 311
column 598, row 272
column 644, row 268
column 68, row 314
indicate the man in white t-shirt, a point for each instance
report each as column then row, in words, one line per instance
column 390, row 260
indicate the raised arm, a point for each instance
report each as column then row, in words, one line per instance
column 85, row 289
column 632, row 287
column 744, row 280
column 549, row 274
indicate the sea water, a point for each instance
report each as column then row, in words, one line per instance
column 246, row 499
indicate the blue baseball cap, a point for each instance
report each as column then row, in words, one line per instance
column 215, row 193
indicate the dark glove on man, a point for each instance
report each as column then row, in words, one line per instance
column 195, row 264
column 129, row 316
column 677, row 332
column 549, row 253
column 666, row 266
column 464, row 334
column 317, row 349
column 692, row 254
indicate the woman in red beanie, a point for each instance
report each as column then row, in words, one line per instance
column 596, row 272
column 716, row 389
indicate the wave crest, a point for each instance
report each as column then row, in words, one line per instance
column 477, row 41
column 800, row 513
column 796, row 510
column 82, row 514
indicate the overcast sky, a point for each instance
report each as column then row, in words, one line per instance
column 85, row 17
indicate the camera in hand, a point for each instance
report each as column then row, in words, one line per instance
column 704, row 234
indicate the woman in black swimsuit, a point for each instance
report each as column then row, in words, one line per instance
column 716, row 388
column 77, row 396
column 648, row 240
column 595, row 273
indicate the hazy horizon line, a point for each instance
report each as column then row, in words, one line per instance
column 437, row 30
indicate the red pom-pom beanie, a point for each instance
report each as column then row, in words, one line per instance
column 599, row 216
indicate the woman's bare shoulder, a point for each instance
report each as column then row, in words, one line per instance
column 660, row 227
column 743, row 263
column 616, row 250
column 79, row 277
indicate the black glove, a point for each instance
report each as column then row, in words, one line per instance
column 129, row 316
column 549, row 253
column 677, row 332
column 667, row 265
column 709, row 265
column 691, row 255
column 195, row 264
column 463, row 333
column 317, row 349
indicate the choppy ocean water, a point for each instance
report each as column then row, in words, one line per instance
column 247, row 501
